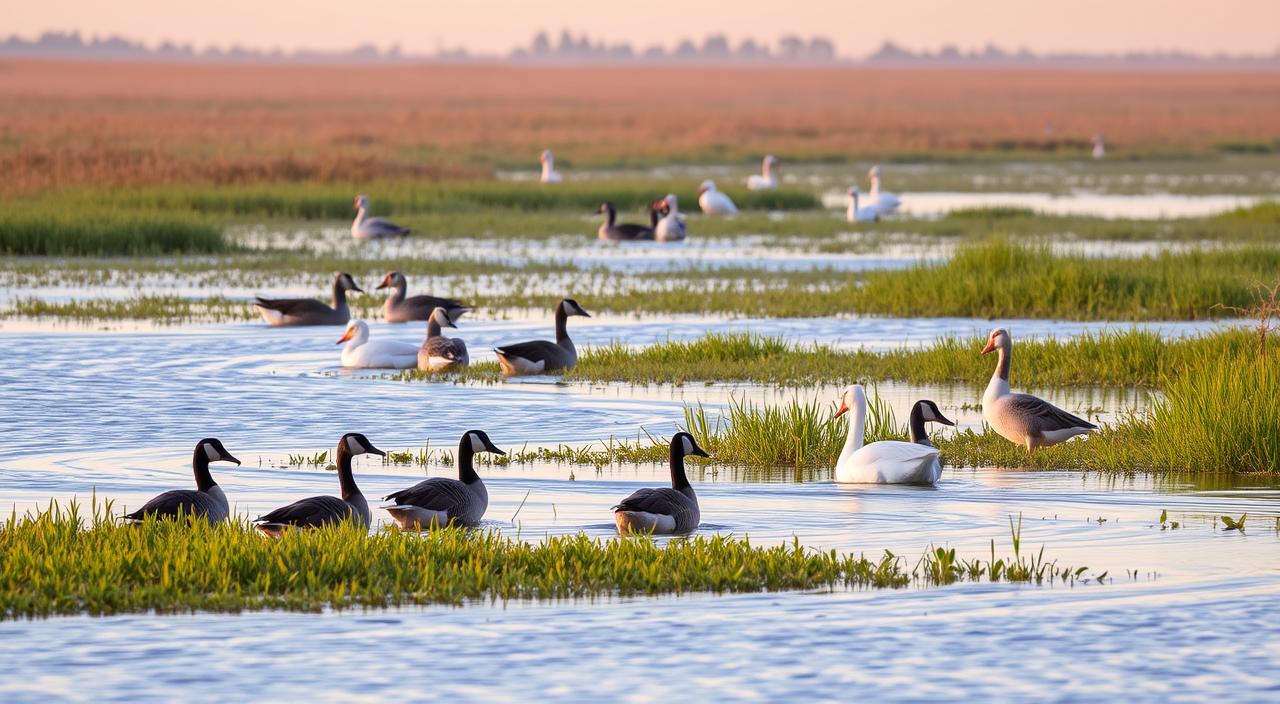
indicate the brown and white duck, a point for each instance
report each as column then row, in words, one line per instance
column 1024, row 419
column 542, row 356
column 439, row 353
column 399, row 309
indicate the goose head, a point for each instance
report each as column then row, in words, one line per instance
column 853, row 397
column 684, row 445
column 671, row 203
column 706, row 186
column 770, row 161
column 346, row 283
column 393, row 279
column 606, row 207
column 571, row 307
column 440, row 317
column 358, row 444
column 357, row 331
column 480, row 442
column 874, row 172
column 545, row 157
column 214, row 451
column 998, row 340
column 929, row 412
column 361, row 203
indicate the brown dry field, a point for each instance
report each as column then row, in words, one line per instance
column 71, row 123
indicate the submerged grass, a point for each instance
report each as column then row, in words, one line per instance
column 52, row 563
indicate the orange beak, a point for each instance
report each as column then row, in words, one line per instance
column 386, row 281
column 991, row 346
column 844, row 408
column 346, row 336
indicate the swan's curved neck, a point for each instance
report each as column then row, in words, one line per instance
column 1002, row 364
column 857, row 429
column 360, row 214
column 346, row 480
column 548, row 165
column 875, row 186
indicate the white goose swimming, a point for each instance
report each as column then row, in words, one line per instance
column 549, row 173
column 856, row 212
column 764, row 180
column 367, row 228
column 1023, row 419
column 361, row 353
column 885, row 202
column 714, row 202
column 671, row 228
column 888, row 461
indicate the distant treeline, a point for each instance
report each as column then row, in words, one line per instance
column 581, row 49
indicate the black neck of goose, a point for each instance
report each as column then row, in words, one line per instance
column 918, row 434
column 562, row 332
column 200, row 467
column 678, row 478
column 466, row 465
column 433, row 328
column 1002, row 367
column 653, row 217
column 346, row 480
column 610, row 215
column 339, row 293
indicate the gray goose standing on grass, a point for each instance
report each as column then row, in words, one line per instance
column 207, row 500
column 399, row 309
column 319, row 511
column 541, row 356
column 1023, row 419
column 438, row 352
column 308, row 311
column 441, row 502
column 673, row 510
column 611, row 230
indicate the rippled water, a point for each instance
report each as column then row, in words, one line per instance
column 1183, row 613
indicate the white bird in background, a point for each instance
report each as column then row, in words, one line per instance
column 367, row 228
column 714, row 202
column 857, row 213
column 1099, row 150
column 549, row 173
column 764, row 180
column 883, row 201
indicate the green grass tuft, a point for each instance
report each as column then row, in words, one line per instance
column 104, row 232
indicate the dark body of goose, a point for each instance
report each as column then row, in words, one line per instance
column 1024, row 419
column 438, row 501
column 205, row 501
column 660, row 511
column 542, row 356
column 399, row 309
column 438, row 352
column 613, row 231
column 308, row 311
column 319, row 511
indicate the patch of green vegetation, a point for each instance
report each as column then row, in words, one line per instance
column 51, row 563
column 49, row 231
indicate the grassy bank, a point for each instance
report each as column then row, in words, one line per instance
column 47, row 230
column 52, row 564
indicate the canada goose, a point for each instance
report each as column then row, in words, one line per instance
column 764, row 180
column 884, row 202
column 673, row 510
column 888, row 461
column 367, row 228
column 542, row 356
column 549, row 173
column 438, row 352
column 1024, row 419
column 714, row 202
column 359, row 352
column 671, row 228
column 399, row 309
column 308, row 311
column 624, row 232
column 206, row 501
column 439, row 501
column 326, row 510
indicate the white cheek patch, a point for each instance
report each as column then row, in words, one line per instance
column 688, row 445
column 477, row 444
column 210, row 452
column 355, row 446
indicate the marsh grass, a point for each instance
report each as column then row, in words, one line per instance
column 52, row 231
column 59, row 561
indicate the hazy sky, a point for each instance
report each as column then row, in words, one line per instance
column 856, row 26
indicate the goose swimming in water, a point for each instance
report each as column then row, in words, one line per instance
column 857, row 212
column 888, row 461
column 884, row 202
column 549, row 173
column 279, row 312
column 671, row 228
column 1023, row 419
column 613, row 231
column 714, row 202
column 438, row 501
column 206, row 501
column 359, row 352
column 367, row 228
column 765, row 180
column 542, row 356
column 399, row 309
column 319, row 511
column 663, row 511
column 438, row 352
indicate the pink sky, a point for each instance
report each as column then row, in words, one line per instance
column 856, row 26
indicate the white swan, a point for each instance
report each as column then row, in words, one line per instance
column 885, row 202
column 764, row 180
column 888, row 461
column 671, row 227
column 1099, row 150
column 549, row 173
column 367, row 228
column 361, row 353
column 1023, row 419
column 714, row 202
column 859, row 213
